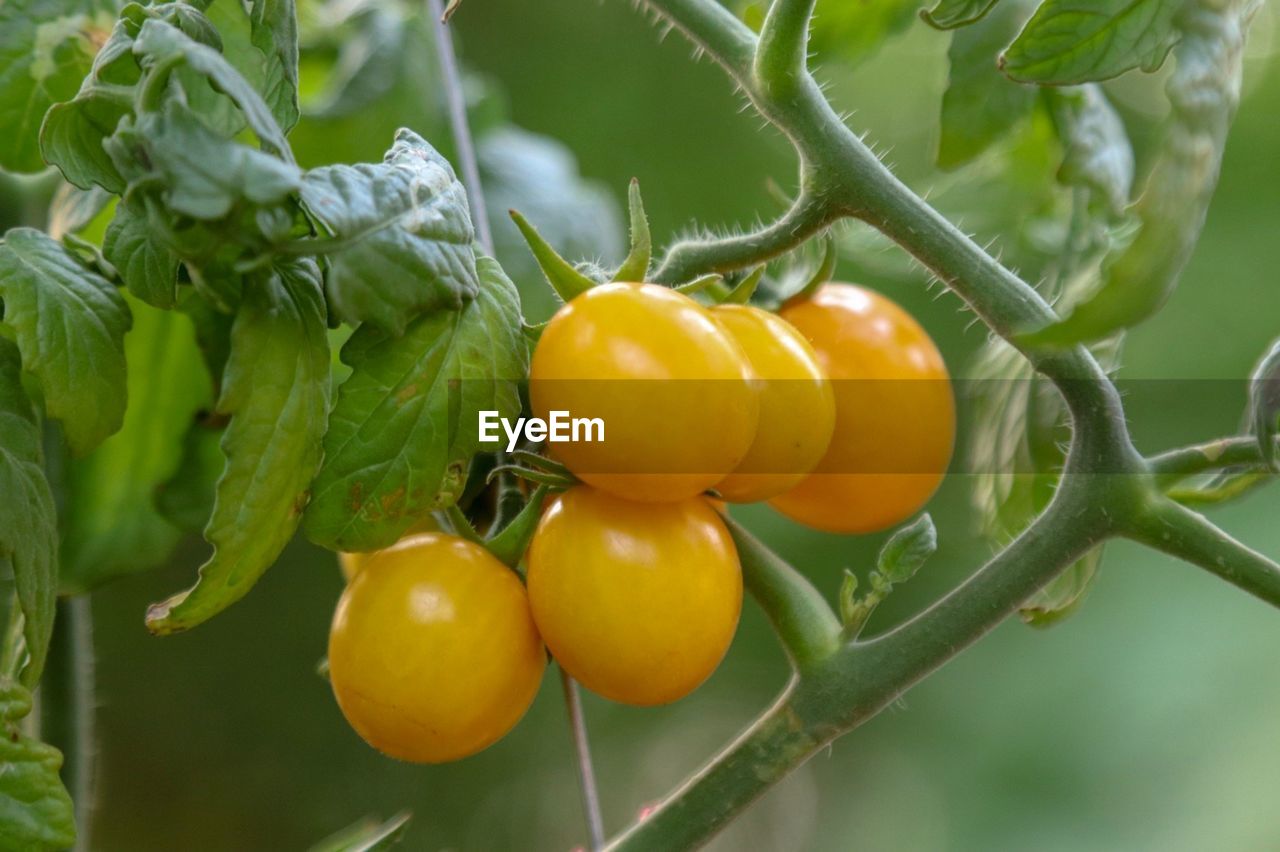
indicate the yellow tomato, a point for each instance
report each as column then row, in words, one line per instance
column 351, row 563
column 638, row 601
column 433, row 653
column 797, row 408
column 895, row 413
column 668, row 383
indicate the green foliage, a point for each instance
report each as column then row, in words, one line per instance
column 949, row 14
column 1264, row 404
column 276, row 392
column 1203, row 91
column 46, row 47
column 146, row 264
column 28, row 536
column 565, row 278
column 401, row 231
column 1097, row 154
column 35, row 809
column 69, row 323
column 404, row 427
column 980, row 105
column 1078, row 41
column 111, row 522
column 902, row 556
column 260, row 39
column 635, row 267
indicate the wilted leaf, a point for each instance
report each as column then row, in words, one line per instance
column 1264, row 404
column 1097, row 151
column 260, row 39
column 401, row 231
column 29, row 533
column 204, row 174
column 276, row 392
column 69, row 323
column 111, row 523
column 405, row 424
column 1204, row 91
column 1064, row 594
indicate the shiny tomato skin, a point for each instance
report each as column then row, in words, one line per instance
column 895, row 413
column 352, row 562
column 797, row 406
column 433, row 653
column 638, row 601
column 670, row 385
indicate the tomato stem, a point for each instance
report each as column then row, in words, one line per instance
column 582, row 752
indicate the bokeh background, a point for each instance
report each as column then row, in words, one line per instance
column 1147, row 721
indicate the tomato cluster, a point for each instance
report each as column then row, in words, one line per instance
column 633, row 582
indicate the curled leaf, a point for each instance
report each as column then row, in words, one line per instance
column 275, row 389
column 1264, row 404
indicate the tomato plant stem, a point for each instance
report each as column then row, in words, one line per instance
column 582, row 752
column 456, row 103
column 67, row 699
column 1107, row 488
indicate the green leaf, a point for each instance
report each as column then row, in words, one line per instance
column 260, row 39
column 906, row 550
column 111, row 523
column 137, row 251
column 276, row 392
column 46, row 48
column 636, row 265
column 35, row 809
column 900, row 558
column 1063, row 596
column 72, row 132
column 161, row 42
column 980, row 105
column 186, row 499
column 565, row 279
column 29, row 534
column 204, row 174
column 950, row 14
column 368, row 835
column 405, row 424
column 1264, row 404
column 539, row 176
column 69, row 323
column 1204, row 91
column 853, row 31
column 1097, row 151
column 1079, row 41
column 403, row 234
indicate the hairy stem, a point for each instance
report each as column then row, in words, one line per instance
column 1172, row 465
column 862, row 678
column 67, row 698
column 1188, row 535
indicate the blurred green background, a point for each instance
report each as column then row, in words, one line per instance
column 1145, row 722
